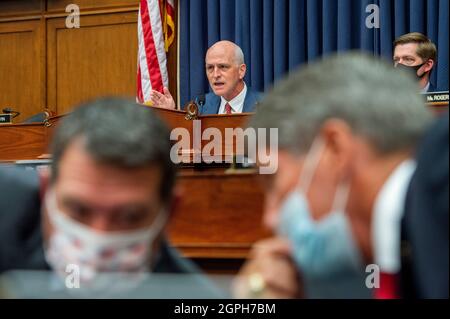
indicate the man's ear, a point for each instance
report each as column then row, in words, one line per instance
column 428, row 65
column 242, row 71
column 338, row 138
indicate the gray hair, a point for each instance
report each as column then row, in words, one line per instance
column 239, row 56
column 377, row 101
column 118, row 132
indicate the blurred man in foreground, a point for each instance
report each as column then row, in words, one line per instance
column 105, row 203
column 425, row 227
column 347, row 128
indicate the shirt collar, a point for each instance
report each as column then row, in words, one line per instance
column 386, row 219
column 238, row 102
column 426, row 88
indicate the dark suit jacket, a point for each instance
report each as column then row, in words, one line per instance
column 425, row 225
column 21, row 242
column 212, row 103
column 432, row 88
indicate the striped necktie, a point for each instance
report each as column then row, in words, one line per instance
column 227, row 108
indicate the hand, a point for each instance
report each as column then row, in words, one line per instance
column 269, row 272
column 163, row 100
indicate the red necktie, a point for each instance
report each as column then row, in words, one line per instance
column 388, row 287
column 227, row 108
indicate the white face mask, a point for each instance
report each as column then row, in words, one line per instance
column 94, row 252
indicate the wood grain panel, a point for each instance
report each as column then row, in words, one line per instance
column 20, row 8
column 96, row 60
column 219, row 216
column 21, row 73
column 60, row 5
column 18, row 142
column 438, row 108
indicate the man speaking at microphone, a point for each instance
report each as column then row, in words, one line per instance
column 225, row 70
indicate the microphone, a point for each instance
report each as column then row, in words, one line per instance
column 200, row 100
column 8, row 110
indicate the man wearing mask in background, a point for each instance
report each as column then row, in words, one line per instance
column 414, row 52
column 106, row 202
column 225, row 69
column 347, row 128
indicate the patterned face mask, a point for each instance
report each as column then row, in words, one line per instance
column 94, row 252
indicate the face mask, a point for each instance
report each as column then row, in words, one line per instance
column 412, row 70
column 324, row 248
column 73, row 243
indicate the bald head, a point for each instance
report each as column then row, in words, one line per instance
column 227, row 48
column 225, row 69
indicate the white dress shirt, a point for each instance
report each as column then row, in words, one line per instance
column 237, row 104
column 387, row 214
column 426, row 88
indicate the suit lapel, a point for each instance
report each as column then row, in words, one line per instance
column 212, row 104
column 216, row 104
column 249, row 102
column 432, row 88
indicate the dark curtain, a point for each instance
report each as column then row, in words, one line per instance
column 278, row 35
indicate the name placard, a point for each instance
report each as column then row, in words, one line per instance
column 437, row 97
column 5, row 118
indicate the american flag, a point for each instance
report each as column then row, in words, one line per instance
column 156, row 32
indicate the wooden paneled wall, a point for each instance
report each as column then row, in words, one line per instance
column 45, row 66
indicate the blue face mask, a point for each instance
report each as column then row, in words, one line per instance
column 321, row 249
column 325, row 248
